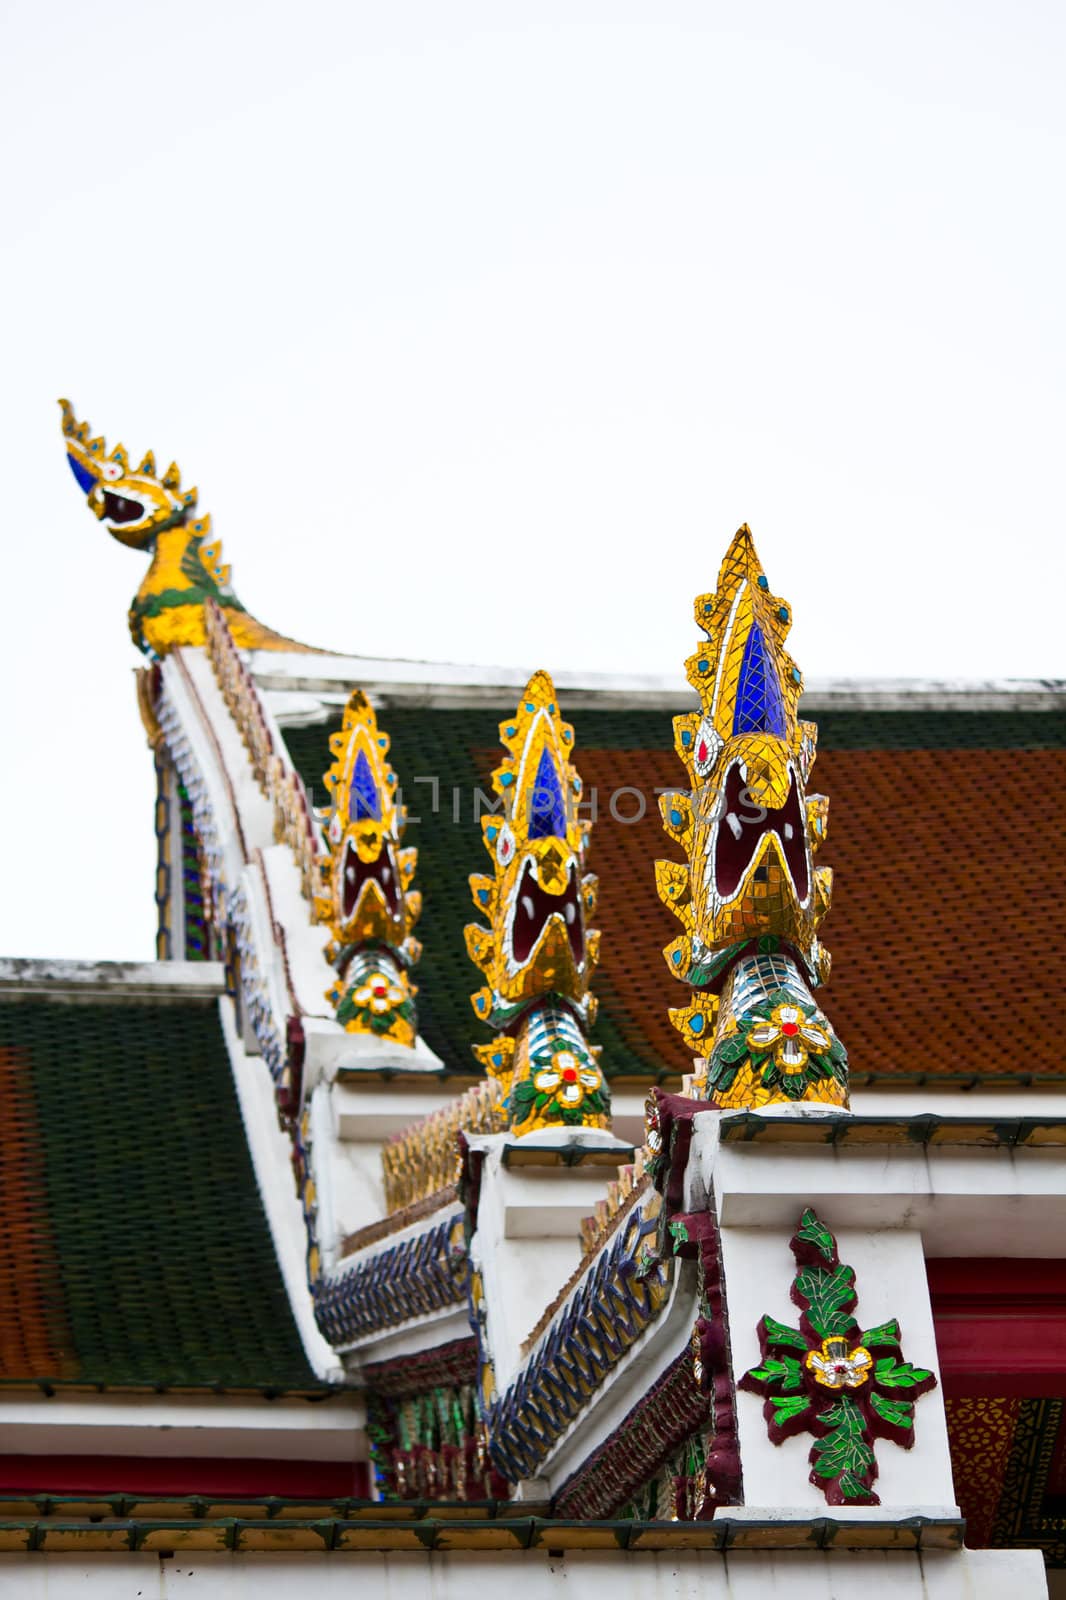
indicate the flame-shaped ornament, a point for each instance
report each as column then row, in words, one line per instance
column 537, row 953
column 749, row 897
column 365, row 893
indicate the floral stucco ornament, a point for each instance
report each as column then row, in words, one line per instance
column 845, row 1386
column 786, row 1046
column 566, row 1084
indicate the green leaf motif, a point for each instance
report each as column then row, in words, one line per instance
column 734, row 1049
column 783, row 1371
column 884, row 1333
column 778, row 1334
column 899, row 1374
column 829, row 1297
column 811, row 1231
column 704, row 968
column 838, row 1062
column 843, row 1448
column 786, row 1409
column 898, row 1413
column 844, row 1425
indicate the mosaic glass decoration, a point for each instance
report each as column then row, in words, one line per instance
column 749, row 897
column 827, row 1377
column 547, row 807
column 365, row 893
column 151, row 512
column 760, row 708
column 537, row 954
column 363, row 802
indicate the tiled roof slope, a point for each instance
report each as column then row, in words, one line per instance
column 134, row 1250
column 946, row 832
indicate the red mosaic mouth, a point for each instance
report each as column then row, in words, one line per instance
column 355, row 873
column 536, row 906
column 119, row 509
column 741, row 827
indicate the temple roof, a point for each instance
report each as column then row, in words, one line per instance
column 928, row 798
column 135, row 1249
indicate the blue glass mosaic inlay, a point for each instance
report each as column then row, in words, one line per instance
column 547, row 819
column 760, row 708
column 86, row 479
column 363, row 802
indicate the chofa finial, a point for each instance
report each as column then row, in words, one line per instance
column 749, row 897
column 537, row 953
column 152, row 513
column 365, row 894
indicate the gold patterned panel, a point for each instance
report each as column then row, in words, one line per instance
column 980, row 1434
column 424, row 1158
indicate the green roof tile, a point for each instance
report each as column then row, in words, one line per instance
column 137, row 1251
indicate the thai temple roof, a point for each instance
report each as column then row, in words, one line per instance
column 491, row 1085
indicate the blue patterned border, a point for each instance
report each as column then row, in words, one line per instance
column 612, row 1306
column 424, row 1273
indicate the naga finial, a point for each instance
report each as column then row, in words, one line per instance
column 749, row 897
column 365, row 895
column 146, row 511
column 537, row 954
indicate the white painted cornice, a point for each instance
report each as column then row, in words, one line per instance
column 176, row 1426
column 95, row 982
column 303, row 689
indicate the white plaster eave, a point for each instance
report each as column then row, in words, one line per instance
column 271, row 1154
column 302, row 689
column 105, row 982
column 221, row 1426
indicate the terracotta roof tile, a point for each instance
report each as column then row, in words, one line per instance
column 945, row 835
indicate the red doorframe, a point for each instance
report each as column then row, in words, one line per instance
column 1000, row 1325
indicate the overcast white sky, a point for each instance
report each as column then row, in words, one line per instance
column 481, row 327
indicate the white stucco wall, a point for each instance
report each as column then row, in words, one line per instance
column 533, row 1575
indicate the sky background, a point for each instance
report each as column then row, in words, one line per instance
column 481, row 328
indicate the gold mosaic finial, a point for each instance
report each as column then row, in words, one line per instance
column 749, row 897
column 537, row 954
column 151, row 512
column 365, row 893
